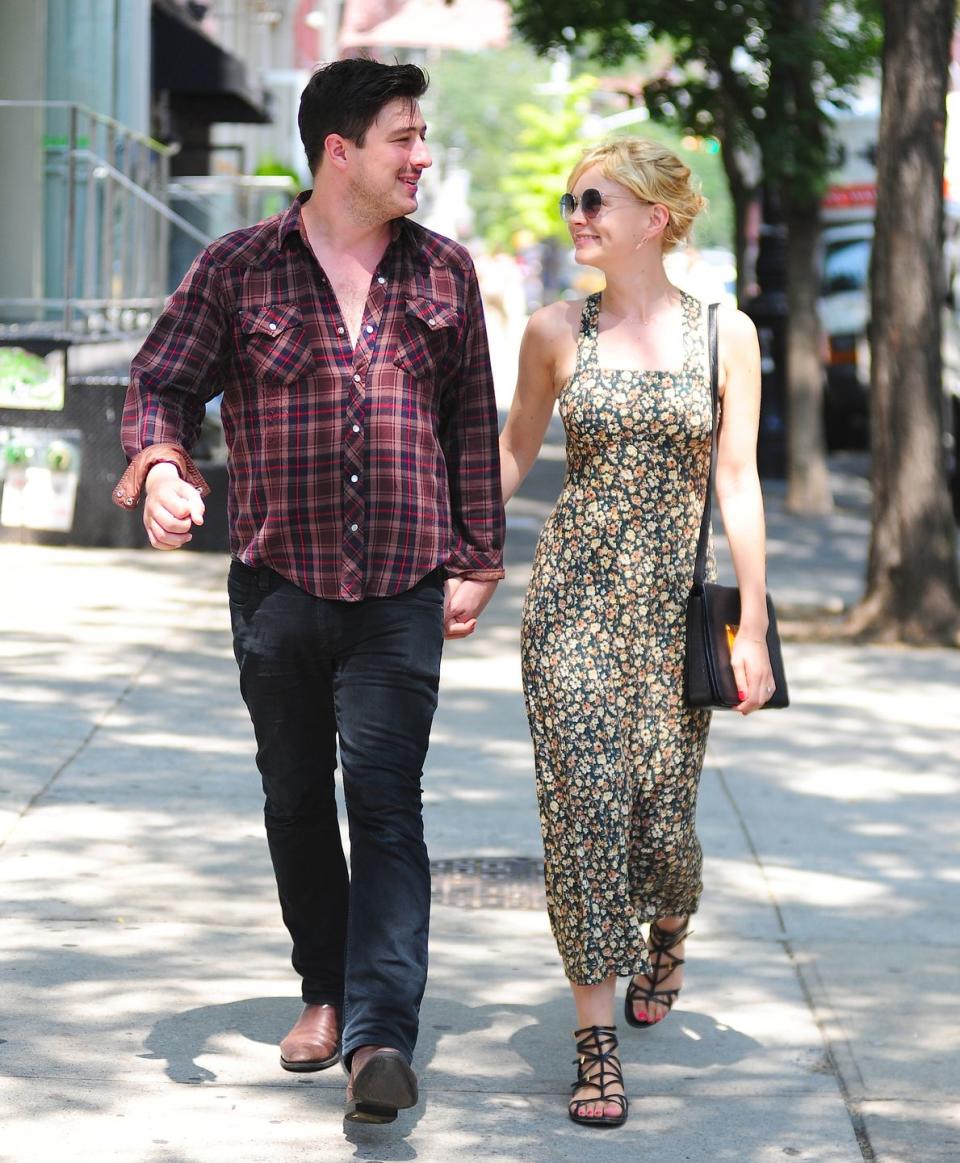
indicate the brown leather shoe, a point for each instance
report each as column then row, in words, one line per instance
column 381, row 1083
column 314, row 1041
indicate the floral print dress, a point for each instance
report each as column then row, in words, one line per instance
column 618, row 753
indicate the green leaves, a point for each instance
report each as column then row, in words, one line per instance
column 548, row 147
column 756, row 73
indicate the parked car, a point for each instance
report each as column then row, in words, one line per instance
column 844, row 312
column 844, row 309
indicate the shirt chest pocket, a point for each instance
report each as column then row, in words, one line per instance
column 429, row 335
column 275, row 343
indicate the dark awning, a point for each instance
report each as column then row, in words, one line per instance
column 188, row 64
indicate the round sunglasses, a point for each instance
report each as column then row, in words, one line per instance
column 591, row 202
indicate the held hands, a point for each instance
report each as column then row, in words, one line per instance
column 751, row 668
column 171, row 508
column 463, row 604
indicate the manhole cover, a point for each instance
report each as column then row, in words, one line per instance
column 489, row 883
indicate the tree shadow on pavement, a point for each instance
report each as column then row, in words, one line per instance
column 479, row 1058
column 181, row 1039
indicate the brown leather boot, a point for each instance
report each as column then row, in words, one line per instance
column 380, row 1084
column 314, row 1041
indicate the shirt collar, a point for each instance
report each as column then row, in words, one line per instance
column 402, row 241
column 290, row 219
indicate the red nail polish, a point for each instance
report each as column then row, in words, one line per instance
column 741, row 696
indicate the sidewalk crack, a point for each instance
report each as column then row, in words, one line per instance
column 99, row 721
column 852, row 1105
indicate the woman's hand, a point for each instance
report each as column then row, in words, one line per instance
column 751, row 668
column 464, row 602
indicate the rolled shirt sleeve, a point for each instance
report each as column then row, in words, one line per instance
column 469, row 438
column 357, row 464
column 179, row 368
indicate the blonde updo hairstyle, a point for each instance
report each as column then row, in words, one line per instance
column 654, row 174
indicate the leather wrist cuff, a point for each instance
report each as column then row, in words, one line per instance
column 129, row 488
column 467, row 574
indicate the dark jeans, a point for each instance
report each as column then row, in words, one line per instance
column 313, row 670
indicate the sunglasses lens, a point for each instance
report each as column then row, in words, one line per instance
column 590, row 203
column 567, row 206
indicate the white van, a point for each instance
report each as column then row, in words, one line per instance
column 844, row 309
column 846, row 245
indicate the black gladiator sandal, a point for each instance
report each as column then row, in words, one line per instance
column 597, row 1046
column 660, row 944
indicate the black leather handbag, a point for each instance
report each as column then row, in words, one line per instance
column 713, row 611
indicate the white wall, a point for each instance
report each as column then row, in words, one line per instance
column 22, row 77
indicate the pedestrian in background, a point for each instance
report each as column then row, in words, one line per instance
column 366, row 522
column 618, row 752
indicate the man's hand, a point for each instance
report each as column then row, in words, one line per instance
column 171, row 508
column 465, row 600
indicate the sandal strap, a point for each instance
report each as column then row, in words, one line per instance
column 663, row 940
column 595, row 1031
column 666, row 997
column 591, row 1039
column 591, row 1053
column 661, row 944
column 599, row 1081
column 619, row 1099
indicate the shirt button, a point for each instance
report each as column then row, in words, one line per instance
column 273, row 326
column 354, row 478
column 339, row 330
column 356, row 427
column 356, row 379
column 354, row 528
column 433, row 322
column 381, row 280
column 368, row 329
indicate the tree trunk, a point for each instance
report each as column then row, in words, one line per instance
column 913, row 590
column 742, row 196
column 808, row 482
column 736, row 144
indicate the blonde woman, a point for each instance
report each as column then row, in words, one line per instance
column 618, row 752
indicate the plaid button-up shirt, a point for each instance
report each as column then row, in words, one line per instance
column 353, row 471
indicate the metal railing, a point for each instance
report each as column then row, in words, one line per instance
column 218, row 203
column 98, row 235
column 94, row 196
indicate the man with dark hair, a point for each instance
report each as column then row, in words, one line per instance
column 366, row 524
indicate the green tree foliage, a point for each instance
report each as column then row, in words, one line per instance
column 726, row 54
column 548, row 146
column 518, row 138
column 758, row 74
column 473, row 106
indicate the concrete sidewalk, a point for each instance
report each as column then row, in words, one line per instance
column 145, row 971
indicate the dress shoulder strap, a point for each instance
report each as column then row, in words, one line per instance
column 694, row 336
column 587, row 339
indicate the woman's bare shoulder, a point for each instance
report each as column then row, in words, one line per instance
column 736, row 328
column 550, row 341
column 555, row 322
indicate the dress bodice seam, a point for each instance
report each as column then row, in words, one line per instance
column 588, row 353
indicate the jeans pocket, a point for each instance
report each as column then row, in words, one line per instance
column 429, row 589
column 241, row 582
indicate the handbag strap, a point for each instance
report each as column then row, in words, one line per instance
column 700, row 568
